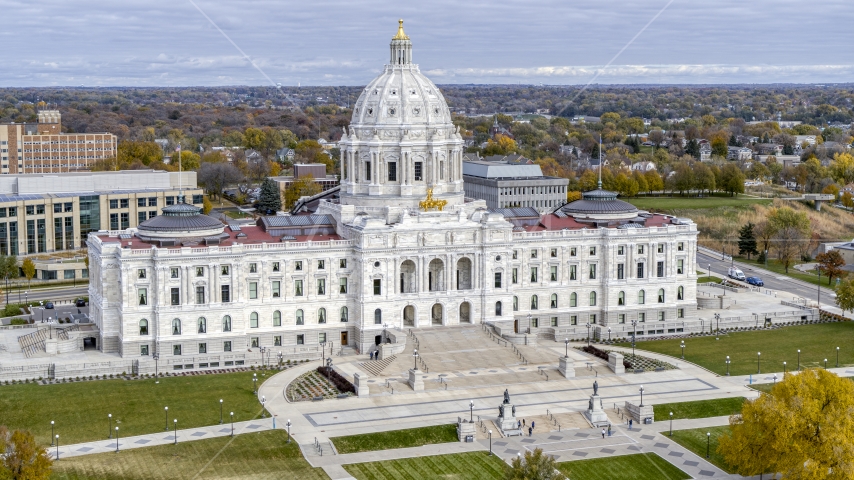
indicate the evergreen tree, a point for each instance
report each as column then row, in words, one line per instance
column 594, row 154
column 693, row 149
column 747, row 241
column 788, row 150
column 270, row 199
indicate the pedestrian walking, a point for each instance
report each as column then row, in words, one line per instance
column 603, row 433
column 530, row 431
column 519, row 424
column 609, row 429
column 533, row 424
column 523, row 422
column 630, row 423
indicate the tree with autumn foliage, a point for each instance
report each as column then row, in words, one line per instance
column 803, row 428
column 830, row 264
column 23, row 458
column 533, row 466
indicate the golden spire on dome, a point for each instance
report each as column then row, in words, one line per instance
column 400, row 35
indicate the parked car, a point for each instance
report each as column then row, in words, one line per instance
column 756, row 281
column 48, row 305
column 736, row 274
column 80, row 302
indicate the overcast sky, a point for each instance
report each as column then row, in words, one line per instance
column 171, row 43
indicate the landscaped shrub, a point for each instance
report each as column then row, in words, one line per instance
column 17, row 321
column 340, row 382
column 12, row 309
column 603, row 355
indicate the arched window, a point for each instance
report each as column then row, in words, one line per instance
column 621, row 298
column 176, row 326
column 553, row 302
column 497, row 309
column 660, row 295
column 641, row 297
column 277, row 318
column 378, row 316
column 573, row 299
column 321, row 315
column 535, row 302
column 680, row 293
column 226, row 323
column 253, row 320
column 300, row 318
column 143, row 327
column 203, row 325
column 515, row 304
column 344, row 315
column 592, row 299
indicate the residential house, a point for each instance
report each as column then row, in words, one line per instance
column 802, row 139
column 253, row 156
column 286, row 154
column 705, row 152
column 768, row 149
column 739, row 153
column 643, row 167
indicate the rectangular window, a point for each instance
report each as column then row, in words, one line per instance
column 68, row 274
column 277, row 341
column 173, row 272
column 223, row 269
column 621, row 274
column 200, row 295
column 572, row 272
column 533, row 254
column 125, row 220
column 660, row 316
column 660, row 247
column 254, row 342
column 342, row 263
column 680, row 246
column 200, row 271
column 140, row 202
column 321, row 286
column 143, row 296
column 124, row 203
column 253, row 290
column 253, row 268
column 226, row 346
column 225, row 293
column 298, row 265
column 321, row 264
column 152, row 214
column 321, row 338
column 253, row 320
column 276, row 266
column 679, row 266
column 515, row 275
column 300, row 339
column 573, row 252
column 593, row 271
column 140, row 217
column 592, row 251
column 198, row 198
column 276, row 289
column 368, row 171
column 417, row 171
column 377, row 286
column 57, row 208
column 535, row 322
column 176, row 349
column 114, row 221
column 342, row 285
column 622, row 318
column 640, row 249
column 553, row 273
column 113, row 204
column 392, row 171
column 203, row 348
column 640, row 270
column 621, row 250
column 659, row 269
column 592, row 319
column 554, row 321
column 152, row 201
column 641, row 317
column 515, row 254
column 298, row 288
column 140, row 273
column 169, row 200
column 573, row 319
column 554, row 253
column 143, row 349
column 277, row 318
column 680, row 313
column 175, row 296
column 497, row 279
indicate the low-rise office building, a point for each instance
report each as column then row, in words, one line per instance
column 505, row 185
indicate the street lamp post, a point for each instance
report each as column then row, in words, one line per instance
column 232, row 423
column 641, row 393
column 110, row 428
column 683, row 349
column 289, row 430
column 220, row 411
column 784, row 369
column 166, row 409
column 566, row 349
column 117, row 439
column 255, row 384
column 837, row 357
column 415, row 359
column 671, row 424
column 490, row 444
column 758, row 355
column 176, row 430
column 588, row 334
column 799, row 359
column 609, row 335
column 825, row 364
column 471, row 411
column 708, row 443
column 727, row 365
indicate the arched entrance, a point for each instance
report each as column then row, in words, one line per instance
column 409, row 316
column 437, row 314
column 464, row 274
column 436, row 275
column 465, row 312
column 515, row 326
column 407, row 277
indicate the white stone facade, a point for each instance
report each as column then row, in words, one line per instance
column 389, row 263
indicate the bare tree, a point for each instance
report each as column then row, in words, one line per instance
column 215, row 177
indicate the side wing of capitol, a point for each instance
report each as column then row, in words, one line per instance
column 402, row 247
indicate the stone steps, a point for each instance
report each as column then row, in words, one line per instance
column 375, row 367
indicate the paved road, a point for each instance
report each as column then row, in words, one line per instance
column 773, row 281
column 56, row 294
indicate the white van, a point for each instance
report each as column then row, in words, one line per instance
column 735, row 273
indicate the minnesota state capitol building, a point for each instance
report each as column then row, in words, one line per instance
column 402, row 247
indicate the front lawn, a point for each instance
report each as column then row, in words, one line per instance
column 699, row 409
column 640, row 466
column 412, row 437
column 695, row 440
column 816, row 342
column 458, row 466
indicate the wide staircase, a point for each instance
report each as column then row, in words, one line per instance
column 34, row 343
column 376, row 367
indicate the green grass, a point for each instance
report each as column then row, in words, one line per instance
column 250, row 455
column 640, row 466
column 762, row 387
column 776, row 267
column 458, row 466
column 80, row 409
column 695, row 440
column 681, row 203
column 816, row 342
column 412, row 437
column 699, row 409
column 707, row 279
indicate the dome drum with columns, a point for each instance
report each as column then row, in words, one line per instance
column 401, row 141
